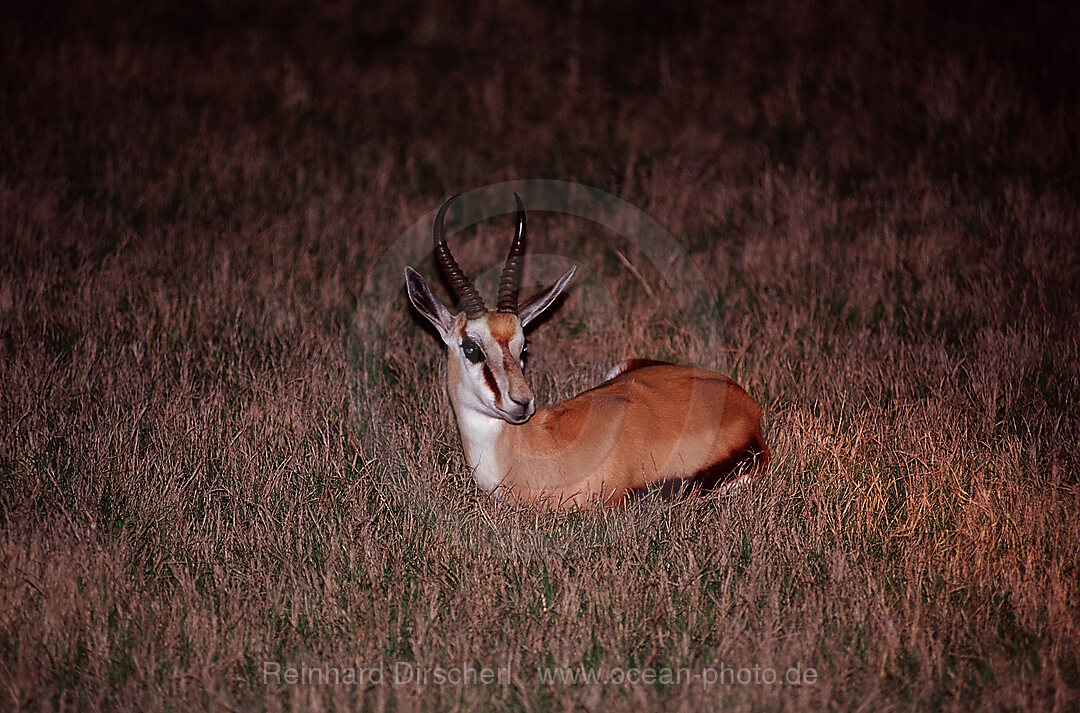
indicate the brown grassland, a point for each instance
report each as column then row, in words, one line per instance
column 205, row 465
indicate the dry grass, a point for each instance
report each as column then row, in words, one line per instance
column 202, row 468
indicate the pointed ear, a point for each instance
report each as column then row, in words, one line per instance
column 428, row 304
column 543, row 299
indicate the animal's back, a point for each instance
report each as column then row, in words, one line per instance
column 651, row 423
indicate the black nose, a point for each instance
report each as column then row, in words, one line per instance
column 518, row 400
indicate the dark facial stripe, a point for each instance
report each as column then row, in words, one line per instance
column 490, row 379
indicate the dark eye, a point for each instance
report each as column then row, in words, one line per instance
column 471, row 351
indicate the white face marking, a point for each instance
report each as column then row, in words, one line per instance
column 484, row 395
column 495, row 385
column 517, row 347
column 474, row 393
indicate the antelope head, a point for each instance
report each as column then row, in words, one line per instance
column 484, row 346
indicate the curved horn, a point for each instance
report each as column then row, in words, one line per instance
column 511, row 274
column 466, row 293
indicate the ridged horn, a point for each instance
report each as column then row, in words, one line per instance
column 467, row 294
column 511, row 274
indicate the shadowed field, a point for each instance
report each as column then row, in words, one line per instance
column 206, row 464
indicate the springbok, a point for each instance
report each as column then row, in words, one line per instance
column 649, row 423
